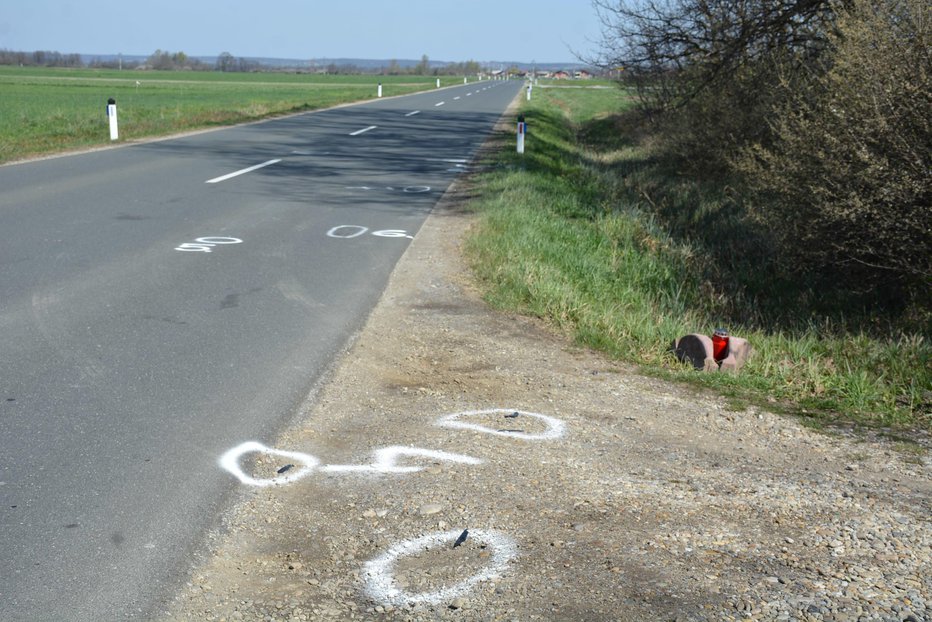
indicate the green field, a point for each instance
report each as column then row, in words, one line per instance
column 44, row 110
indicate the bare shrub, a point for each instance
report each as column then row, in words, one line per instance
column 845, row 183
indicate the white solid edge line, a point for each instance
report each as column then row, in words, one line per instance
column 363, row 130
column 216, row 180
column 411, row 114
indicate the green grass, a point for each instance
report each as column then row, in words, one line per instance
column 588, row 230
column 48, row 110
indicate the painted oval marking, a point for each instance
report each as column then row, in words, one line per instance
column 360, row 230
column 219, row 240
column 555, row 427
column 230, row 461
column 379, row 573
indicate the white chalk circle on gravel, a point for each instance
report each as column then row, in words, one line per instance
column 555, row 427
column 379, row 572
column 230, row 462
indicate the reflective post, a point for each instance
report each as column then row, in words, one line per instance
column 112, row 116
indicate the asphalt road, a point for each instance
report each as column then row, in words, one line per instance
column 156, row 311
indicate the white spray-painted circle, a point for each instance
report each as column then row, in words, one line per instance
column 230, row 462
column 555, row 427
column 379, row 572
column 416, row 189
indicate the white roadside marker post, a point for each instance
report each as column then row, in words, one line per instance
column 112, row 115
column 380, row 89
column 465, row 80
column 438, row 83
column 522, row 129
column 529, row 86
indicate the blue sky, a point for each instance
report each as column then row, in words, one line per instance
column 449, row 30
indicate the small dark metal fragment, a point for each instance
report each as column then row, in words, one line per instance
column 462, row 538
column 285, row 468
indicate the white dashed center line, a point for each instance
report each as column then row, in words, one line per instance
column 363, row 130
column 217, row 180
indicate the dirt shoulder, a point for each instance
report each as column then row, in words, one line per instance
column 589, row 492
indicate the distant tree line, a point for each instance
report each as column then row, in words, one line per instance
column 40, row 58
column 394, row 68
column 162, row 60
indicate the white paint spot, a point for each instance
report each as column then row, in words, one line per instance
column 217, row 180
column 411, row 114
column 455, row 98
column 230, row 462
column 363, row 130
column 386, row 461
column 555, row 427
column 417, row 189
column 379, row 572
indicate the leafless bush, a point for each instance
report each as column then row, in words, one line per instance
column 845, row 182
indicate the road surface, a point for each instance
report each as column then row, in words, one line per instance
column 161, row 302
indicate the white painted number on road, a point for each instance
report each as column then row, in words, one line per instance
column 392, row 233
column 205, row 244
column 348, row 232
column 408, row 189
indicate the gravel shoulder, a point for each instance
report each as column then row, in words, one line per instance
column 589, row 492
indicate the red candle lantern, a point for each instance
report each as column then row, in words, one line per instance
column 720, row 344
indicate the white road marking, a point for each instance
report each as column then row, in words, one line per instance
column 440, row 104
column 363, row 130
column 217, row 180
column 455, row 98
column 411, row 114
column 451, row 160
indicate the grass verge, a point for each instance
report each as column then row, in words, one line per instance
column 570, row 233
